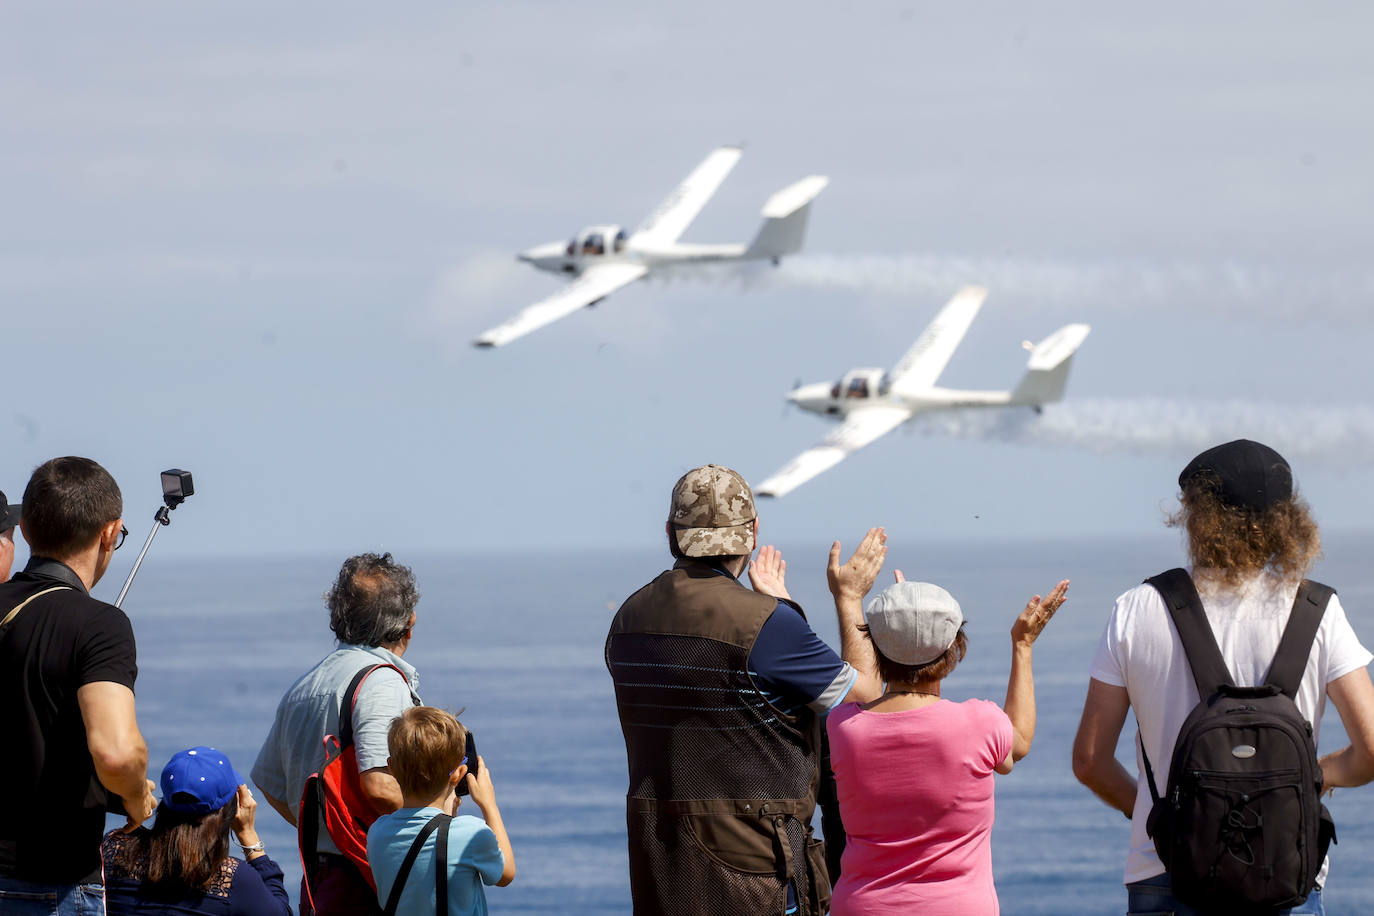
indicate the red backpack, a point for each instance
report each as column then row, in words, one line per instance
column 336, row 794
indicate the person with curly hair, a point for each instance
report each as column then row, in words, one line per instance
column 183, row 865
column 1251, row 539
column 372, row 613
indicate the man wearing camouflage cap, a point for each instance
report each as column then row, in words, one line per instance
column 719, row 690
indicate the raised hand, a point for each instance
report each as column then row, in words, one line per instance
column 140, row 809
column 1028, row 626
column 480, row 788
column 247, row 813
column 854, row 579
column 767, row 571
column 244, row 830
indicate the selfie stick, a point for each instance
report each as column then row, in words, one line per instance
column 176, row 486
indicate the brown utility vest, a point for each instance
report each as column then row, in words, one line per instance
column 722, row 782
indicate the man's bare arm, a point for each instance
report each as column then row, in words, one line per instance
column 1094, row 747
column 1353, row 765
column 279, row 806
column 381, row 788
column 117, row 746
column 483, row 793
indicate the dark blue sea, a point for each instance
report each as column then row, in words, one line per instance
column 517, row 638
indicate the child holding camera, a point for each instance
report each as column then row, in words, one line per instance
column 430, row 758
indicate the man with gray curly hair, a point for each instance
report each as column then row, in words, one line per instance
column 372, row 613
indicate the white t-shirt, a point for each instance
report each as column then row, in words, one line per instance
column 1141, row 651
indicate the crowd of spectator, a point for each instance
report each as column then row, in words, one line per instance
column 738, row 720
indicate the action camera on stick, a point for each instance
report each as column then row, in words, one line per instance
column 176, row 486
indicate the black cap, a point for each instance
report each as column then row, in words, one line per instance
column 1244, row 474
column 9, row 513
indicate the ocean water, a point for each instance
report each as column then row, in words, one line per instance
column 517, row 639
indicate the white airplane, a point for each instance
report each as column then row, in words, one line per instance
column 873, row 402
column 605, row 258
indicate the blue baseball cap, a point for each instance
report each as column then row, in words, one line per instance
column 199, row 780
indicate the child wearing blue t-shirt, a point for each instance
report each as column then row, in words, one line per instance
column 426, row 746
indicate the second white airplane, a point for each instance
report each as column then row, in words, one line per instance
column 872, row 402
column 602, row 259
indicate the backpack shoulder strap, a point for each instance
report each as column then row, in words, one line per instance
column 1295, row 646
column 308, row 839
column 350, row 700
column 14, row 612
column 393, row 899
column 1149, row 770
column 441, row 866
column 1180, row 596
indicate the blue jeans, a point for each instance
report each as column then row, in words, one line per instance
column 26, row 898
column 1152, row 897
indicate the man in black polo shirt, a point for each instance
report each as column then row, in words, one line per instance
column 67, row 669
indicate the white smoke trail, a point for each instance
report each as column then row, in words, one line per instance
column 1220, row 287
column 1335, row 436
column 1276, row 291
column 1240, row 289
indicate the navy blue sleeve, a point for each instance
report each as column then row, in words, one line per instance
column 791, row 665
column 258, row 889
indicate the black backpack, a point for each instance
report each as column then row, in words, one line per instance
column 1242, row 828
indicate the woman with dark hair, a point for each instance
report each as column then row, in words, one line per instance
column 183, row 864
column 914, row 771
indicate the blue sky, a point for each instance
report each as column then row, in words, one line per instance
column 254, row 241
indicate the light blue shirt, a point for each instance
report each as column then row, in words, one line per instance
column 294, row 747
column 474, row 859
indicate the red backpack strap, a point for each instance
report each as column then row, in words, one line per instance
column 308, row 839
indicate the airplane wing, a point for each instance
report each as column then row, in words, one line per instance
column 672, row 217
column 920, row 366
column 862, row 426
column 596, row 282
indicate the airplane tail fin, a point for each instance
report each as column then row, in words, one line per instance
column 784, row 219
column 1047, row 370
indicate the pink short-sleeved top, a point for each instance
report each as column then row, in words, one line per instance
column 916, row 797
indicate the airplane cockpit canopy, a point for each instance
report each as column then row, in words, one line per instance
column 595, row 241
column 860, row 383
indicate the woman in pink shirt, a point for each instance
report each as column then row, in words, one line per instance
column 913, row 771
